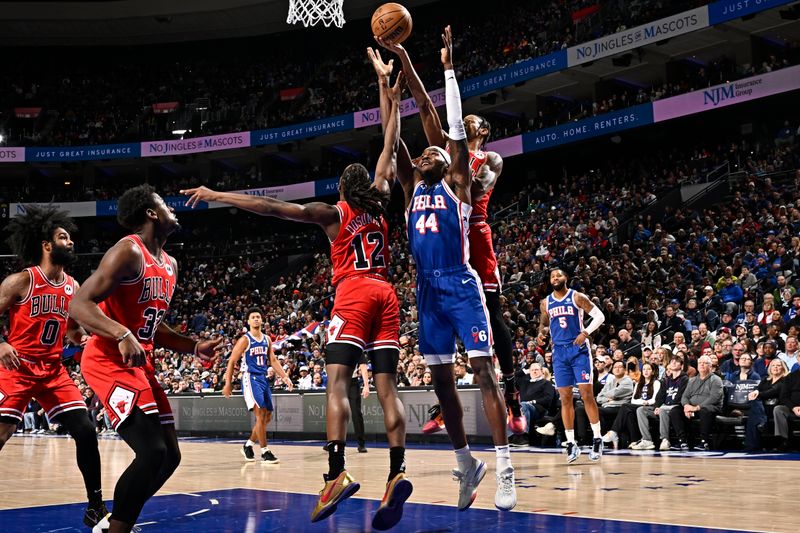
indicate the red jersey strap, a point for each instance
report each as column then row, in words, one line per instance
column 31, row 283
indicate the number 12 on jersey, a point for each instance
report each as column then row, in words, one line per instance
column 429, row 223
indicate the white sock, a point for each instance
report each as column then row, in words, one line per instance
column 503, row 457
column 464, row 458
column 264, row 449
column 570, row 435
column 596, row 430
column 250, row 443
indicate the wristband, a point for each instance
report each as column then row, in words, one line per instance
column 124, row 336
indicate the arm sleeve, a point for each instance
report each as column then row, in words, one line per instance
column 597, row 319
column 453, row 100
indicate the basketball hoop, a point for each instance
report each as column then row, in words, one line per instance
column 310, row 12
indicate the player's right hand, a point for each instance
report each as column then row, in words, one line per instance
column 383, row 70
column 9, row 359
column 132, row 352
column 447, row 49
column 392, row 47
column 227, row 390
column 197, row 195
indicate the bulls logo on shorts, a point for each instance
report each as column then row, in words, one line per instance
column 121, row 401
column 2, row 396
column 68, row 289
column 334, row 327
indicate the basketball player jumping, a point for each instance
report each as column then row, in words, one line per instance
column 123, row 303
column 562, row 312
column 449, row 296
column 256, row 348
column 485, row 168
column 30, row 360
column 366, row 314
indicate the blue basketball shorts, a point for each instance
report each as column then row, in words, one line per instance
column 572, row 365
column 452, row 305
column 256, row 391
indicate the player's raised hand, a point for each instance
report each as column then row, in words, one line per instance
column 9, row 359
column 209, row 350
column 197, row 195
column 383, row 70
column 397, row 48
column 395, row 92
column 447, row 49
column 132, row 352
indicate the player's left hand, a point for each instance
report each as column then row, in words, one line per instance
column 383, row 70
column 447, row 50
column 581, row 338
column 365, row 391
column 197, row 195
column 289, row 384
column 395, row 92
column 209, row 350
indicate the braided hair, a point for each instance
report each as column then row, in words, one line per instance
column 29, row 230
column 359, row 193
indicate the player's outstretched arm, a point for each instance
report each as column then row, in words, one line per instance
column 273, row 361
column 458, row 175
column 75, row 332
column 122, row 262
column 386, row 168
column 13, row 289
column 597, row 317
column 431, row 122
column 171, row 339
column 236, row 355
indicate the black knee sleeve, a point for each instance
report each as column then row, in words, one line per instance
column 339, row 353
column 384, row 361
column 502, row 337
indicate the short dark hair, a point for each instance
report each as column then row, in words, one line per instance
column 359, row 193
column 37, row 224
column 254, row 310
column 133, row 204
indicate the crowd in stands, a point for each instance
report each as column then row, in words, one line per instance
column 229, row 86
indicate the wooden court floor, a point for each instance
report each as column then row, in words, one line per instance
column 726, row 491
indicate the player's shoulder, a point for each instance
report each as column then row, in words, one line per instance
column 18, row 281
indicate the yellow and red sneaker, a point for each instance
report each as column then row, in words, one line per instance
column 333, row 493
column 436, row 423
column 391, row 510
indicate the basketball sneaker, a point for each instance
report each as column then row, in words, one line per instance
column 333, row 493
column 468, row 483
column 269, row 457
column 517, row 422
column 104, row 525
column 573, row 452
column 436, row 422
column 505, row 498
column 248, row 453
column 597, row 450
column 548, row 429
column 665, row 446
column 391, row 509
column 96, row 516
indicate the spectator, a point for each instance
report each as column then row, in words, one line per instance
column 668, row 397
column 788, row 407
column 702, row 399
column 625, row 425
column 306, row 381
column 616, row 392
column 537, row 397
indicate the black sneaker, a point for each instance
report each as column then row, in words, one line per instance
column 95, row 515
column 703, row 446
column 684, row 447
column 362, row 448
column 518, row 440
column 269, row 457
column 248, row 453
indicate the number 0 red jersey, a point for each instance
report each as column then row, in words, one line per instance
column 360, row 247
column 479, row 208
column 139, row 304
column 38, row 321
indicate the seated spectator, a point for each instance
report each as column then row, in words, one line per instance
column 601, row 373
column 317, row 383
column 668, row 397
column 788, row 407
column 537, row 396
column 792, row 355
column 770, row 349
column 617, row 392
column 463, row 377
column 305, row 382
column 702, row 399
column 625, row 427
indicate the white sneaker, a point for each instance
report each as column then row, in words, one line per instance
column 664, row 445
column 468, row 483
column 505, row 498
column 644, row 445
column 610, row 437
column 548, row 429
column 103, row 525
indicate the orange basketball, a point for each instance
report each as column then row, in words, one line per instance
column 392, row 22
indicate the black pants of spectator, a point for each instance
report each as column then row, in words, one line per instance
column 679, row 421
column 354, row 397
column 583, row 432
column 626, row 426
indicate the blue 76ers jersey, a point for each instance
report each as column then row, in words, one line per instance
column 566, row 318
column 438, row 223
column 256, row 355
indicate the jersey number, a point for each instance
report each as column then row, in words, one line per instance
column 430, row 223
column 152, row 317
column 376, row 258
column 49, row 333
column 260, row 360
column 562, row 322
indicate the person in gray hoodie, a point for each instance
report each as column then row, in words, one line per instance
column 617, row 391
column 701, row 399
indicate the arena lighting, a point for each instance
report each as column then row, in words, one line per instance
column 178, row 132
column 2, row 138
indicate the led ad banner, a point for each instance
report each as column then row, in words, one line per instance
column 730, row 9
column 302, row 131
column 12, row 154
column 196, row 145
column 82, row 153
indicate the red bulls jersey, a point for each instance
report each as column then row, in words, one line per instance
column 360, row 246
column 140, row 304
column 481, row 205
column 38, row 321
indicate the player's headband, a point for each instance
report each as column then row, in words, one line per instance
column 443, row 153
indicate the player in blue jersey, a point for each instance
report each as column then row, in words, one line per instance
column 449, row 295
column 256, row 347
column 562, row 311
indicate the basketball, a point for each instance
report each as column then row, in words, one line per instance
column 392, row 23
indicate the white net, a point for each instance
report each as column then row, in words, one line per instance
column 310, row 12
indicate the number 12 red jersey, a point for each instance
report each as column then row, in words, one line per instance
column 360, row 247
column 139, row 304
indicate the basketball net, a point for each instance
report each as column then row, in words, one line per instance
column 310, row 12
